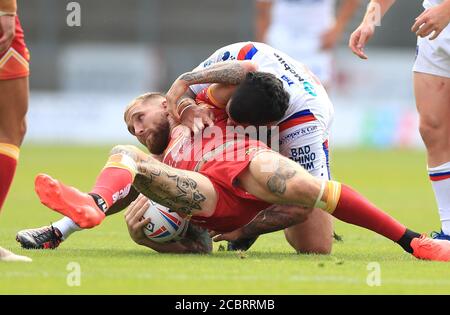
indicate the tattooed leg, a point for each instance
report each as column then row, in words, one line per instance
column 276, row 179
column 182, row 191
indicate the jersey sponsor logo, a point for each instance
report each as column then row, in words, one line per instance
column 288, row 68
column 287, row 80
column 309, row 88
column 298, row 133
column 219, row 58
column 225, row 56
column 304, row 157
column 207, row 63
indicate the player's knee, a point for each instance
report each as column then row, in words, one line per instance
column 432, row 131
column 115, row 150
column 118, row 149
column 22, row 131
column 313, row 244
column 14, row 135
column 322, row 248
column 314, row 236
column 129, row 150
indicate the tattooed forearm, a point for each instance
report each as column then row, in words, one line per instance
column 277, row 182
column 169, row 187
column 197, row 240
column 274, row 218
column 223, row 72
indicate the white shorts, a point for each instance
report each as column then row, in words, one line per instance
column 307, row 144
column 433, row 56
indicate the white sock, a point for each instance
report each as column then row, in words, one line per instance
column 440, row 180
column 66, row 226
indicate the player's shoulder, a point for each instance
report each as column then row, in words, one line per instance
column 238, row 51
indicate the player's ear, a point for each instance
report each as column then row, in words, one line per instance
column 164, row 104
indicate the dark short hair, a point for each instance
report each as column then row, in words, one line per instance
column 259, row 99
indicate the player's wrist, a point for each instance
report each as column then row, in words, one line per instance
column 373, row 15
column 184, row 110
column 368, row 24
column 183, row 104
column 446, row 7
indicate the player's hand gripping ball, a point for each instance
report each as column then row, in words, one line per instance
column 165, row 226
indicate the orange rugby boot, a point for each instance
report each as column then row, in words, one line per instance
column 431, row 249
column 68, row 201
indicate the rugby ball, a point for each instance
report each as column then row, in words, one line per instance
column 165, row 226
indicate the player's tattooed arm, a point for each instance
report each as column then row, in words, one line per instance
column 275, row 218
column 272, row 219
column 229, row 72
column 170, row 187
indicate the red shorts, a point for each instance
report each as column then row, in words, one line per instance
column 235, row 207
column 14, row 61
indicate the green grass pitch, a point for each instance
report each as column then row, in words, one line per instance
column 111, row 263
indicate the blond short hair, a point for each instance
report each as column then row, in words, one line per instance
column 139, row 99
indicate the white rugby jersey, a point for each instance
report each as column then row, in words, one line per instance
column 305, row 90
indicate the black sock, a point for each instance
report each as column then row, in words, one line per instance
column 405, row 240
column 101, row 203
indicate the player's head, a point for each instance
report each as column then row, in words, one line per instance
column 259, row 100
column 147, row 119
